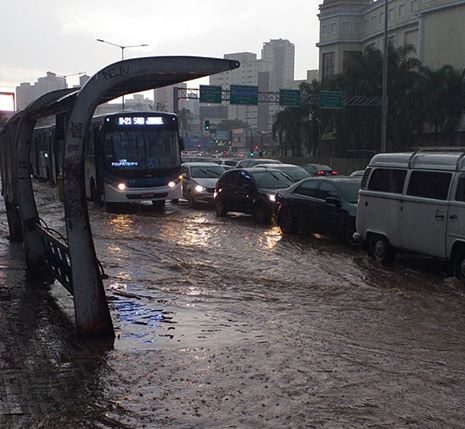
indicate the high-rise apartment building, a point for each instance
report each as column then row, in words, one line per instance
column 163, row 98
column 435, row 28
column 274, row 71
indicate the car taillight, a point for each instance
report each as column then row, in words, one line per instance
column 334, row 173
column 320, row 173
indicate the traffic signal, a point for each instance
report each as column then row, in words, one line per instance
column 207, row 125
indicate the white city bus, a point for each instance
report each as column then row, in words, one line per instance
column 133, row 157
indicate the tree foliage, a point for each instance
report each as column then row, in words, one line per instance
column 419, row 100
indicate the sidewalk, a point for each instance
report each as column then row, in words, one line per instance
column 45, row 374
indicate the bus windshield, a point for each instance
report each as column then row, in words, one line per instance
column 138, row 149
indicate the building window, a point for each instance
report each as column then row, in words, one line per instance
column 373, row 22
column 391, row 14
column 325, row 29
column 328, row 65
column 333, row 28
column 381, row 18
column 414, row 6
column 345, row 27
column 401, row 10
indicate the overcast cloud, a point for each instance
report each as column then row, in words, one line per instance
column 60, row 36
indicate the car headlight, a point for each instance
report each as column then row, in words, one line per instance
column 171, row 184
column 199, row 188
column 121, row 186
column 272, row 197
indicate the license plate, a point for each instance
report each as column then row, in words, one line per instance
column 147, row 195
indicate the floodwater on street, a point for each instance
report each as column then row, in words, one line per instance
column 224, row 323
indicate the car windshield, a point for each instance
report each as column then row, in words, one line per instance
column 271, row 179
column 349, row 191
column 207, row 172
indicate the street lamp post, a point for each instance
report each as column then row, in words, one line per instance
column 384, row 106
column 122, row 47
column 64, row 76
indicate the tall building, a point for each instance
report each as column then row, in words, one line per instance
column 274, row 71
column 279, row 54
column 163, row 98
column 435, row 28
column 27, row 93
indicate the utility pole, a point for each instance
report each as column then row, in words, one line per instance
column 384, row 107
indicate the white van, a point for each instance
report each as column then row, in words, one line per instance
column 414, row 202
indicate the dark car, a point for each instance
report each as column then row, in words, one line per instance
column 319, row 170
column 249, row 190
column 252, row 162
column 295, row 172
column 322, row 205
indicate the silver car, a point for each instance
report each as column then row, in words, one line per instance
column 199, row 181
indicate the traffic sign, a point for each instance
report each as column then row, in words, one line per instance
column 289, row 97
column 210, row 94
column 243, row 94
column 330, row 100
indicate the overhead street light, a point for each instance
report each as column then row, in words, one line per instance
column 122, row 47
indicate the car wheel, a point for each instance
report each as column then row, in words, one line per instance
column 262, row 214
column 286, row 222
column 381, row 249
column 220, row 208
column 191, row 200
column 459, row 264
column 349, row 229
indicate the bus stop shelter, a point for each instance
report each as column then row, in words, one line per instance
column 74, row 262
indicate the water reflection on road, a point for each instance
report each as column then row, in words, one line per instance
column 254, row 329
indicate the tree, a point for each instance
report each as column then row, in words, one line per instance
column 444, row 91
column 287, row 131
column 185, row 118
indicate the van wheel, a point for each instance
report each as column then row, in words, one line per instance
column 459, row 264
column 220, row 208
column 381, row 249
column 286, row 222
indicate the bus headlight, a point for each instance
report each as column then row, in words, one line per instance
column 171, row 184
column 121, row 186
column 272, row 197
column 199, row 188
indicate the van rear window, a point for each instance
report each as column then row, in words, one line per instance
column 429, row 184
column 387, row 180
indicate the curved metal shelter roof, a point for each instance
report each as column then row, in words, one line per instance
column 123, row 77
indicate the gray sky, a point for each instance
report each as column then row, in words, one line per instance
column 60, row 35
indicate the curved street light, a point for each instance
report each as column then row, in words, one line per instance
column 122, row 47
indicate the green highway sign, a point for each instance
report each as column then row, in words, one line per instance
column 243, row 94
column 330, row 99
column 210, row 94
column 289, row 97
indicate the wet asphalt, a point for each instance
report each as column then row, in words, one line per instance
column 225, row 323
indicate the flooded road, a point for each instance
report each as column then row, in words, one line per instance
column 223, row 323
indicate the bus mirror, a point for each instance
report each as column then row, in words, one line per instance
column 181, row 143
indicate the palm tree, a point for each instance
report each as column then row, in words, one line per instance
column 287, row 130
column 185, row 118
column 444, row 99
